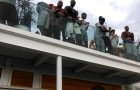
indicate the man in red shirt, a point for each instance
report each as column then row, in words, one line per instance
column 59, row 14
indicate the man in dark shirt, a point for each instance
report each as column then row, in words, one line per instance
column 73, row 34
column 130, row 48
column 58, row 12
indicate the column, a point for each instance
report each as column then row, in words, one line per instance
column 59, row 73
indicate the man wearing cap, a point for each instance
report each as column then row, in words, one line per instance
column 8, row 12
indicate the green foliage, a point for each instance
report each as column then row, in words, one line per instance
column 26, row 12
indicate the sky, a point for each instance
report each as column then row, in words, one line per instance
column 118, row 13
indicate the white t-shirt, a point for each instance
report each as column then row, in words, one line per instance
column 99, row 25
column 13, row 2
column 114, row 41
column 98, row 32
column 83, row 25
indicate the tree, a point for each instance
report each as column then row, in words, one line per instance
column 26, row 12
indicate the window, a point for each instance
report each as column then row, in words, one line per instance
column 22, row 79
column 48, row 82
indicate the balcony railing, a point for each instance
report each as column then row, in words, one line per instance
column 42, row 20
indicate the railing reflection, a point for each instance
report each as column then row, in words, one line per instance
column 41, row 19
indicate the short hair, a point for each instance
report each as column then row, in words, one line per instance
column 84, row 14
column 98, row 88
column 60, row 1
column 112, row 31
column 126, row 26
column 73, row 1
column 100, row 17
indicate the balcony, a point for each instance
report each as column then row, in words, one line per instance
column 78, row 62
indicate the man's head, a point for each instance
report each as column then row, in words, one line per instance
column 112, row 32
column 72, row 3
column 60, row 4
column 83, row 15
column 101, row 20
column 100, row 17
column 51, row 6
column 126, row 28
column 98, row 88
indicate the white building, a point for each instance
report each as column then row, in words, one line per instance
column 33, row 62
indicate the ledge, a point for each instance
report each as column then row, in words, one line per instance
column 22, row 39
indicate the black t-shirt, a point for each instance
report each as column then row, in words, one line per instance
column 71, row 12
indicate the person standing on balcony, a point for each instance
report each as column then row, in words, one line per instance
column 130, row 48
column 107, row 41
column 60, row 21
column 99, row 34
column 83, row 27
column 52, row 22
column 72, row 28
column 114, row 41
column 8, row 12
column 43, row 17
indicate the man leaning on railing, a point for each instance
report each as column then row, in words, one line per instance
column 130, row 48
column 101, row 40
column 60, row 21
column 72, row 28
column 84, row 27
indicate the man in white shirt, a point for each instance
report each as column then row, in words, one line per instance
column 8, row 12
column 114, row 41
column 100, row 34
column 83, row 27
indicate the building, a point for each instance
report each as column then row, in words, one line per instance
column 33, row 62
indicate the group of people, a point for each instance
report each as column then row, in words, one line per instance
column 107, row 41
column 74, row 30
column 54, row 20
column 64, row 23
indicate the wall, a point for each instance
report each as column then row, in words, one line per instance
column 49, row 82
